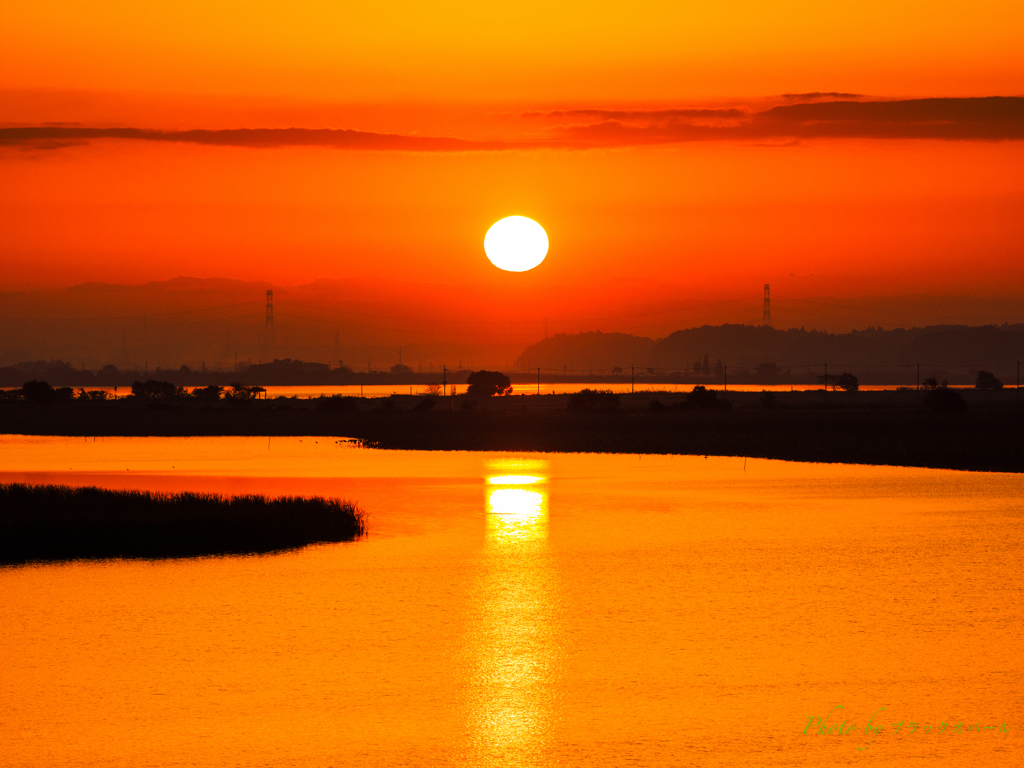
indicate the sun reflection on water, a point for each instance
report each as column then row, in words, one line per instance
column 515, row 480
column 511, row 641
column 515, row 513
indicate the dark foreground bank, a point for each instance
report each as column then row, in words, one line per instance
column 893, row 427
column 56, row 522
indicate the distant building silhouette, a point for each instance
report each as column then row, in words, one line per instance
column 400, row 369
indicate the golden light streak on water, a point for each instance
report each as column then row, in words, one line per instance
column 514, row 480
column 511, row 642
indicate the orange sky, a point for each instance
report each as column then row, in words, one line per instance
column 633, row 195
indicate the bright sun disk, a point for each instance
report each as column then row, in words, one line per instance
column 516, row 244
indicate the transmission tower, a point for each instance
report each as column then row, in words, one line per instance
column 268, row 331
column 767, row 318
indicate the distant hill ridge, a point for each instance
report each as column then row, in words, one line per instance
column 740, row 347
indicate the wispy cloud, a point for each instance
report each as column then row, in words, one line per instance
column 991, row 118
column 642, row 114
column 820, row 95
column 253, row 137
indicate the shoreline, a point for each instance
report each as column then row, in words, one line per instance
column 882, row 428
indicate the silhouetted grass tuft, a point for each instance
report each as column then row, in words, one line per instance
column 58, row 522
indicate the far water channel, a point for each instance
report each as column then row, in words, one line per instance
column 528, row 610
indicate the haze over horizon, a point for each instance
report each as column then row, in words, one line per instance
column 367, row 322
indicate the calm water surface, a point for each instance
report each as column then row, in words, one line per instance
column 521, row 610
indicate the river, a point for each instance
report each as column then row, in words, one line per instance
column 528, row 610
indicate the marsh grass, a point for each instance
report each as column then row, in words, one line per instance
column 59, row 522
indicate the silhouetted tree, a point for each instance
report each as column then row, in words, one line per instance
column 706, row 366
column 593, row 401
column 769, row 400
column 42, row 393
column 829, row 380
column 848, row 382
column 767, row 370
column 240, row 391
column 156, row 390
column 487, row 383
column 37, row 391
column 941, row 399
column 719, row 369
column 987, row 381
column 212, row 392
column 703, row 399
column 92, row 394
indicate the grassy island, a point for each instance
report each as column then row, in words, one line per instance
column 56, row 522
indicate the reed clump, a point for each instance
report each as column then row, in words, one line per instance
column 59, row 522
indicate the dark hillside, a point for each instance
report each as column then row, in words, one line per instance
column 585, row 351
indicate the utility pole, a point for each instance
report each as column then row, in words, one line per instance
column 269, row 339
column 725, row 373
column 826, row 376
column 766, row 318
column 444, row 381
column 632, row 380
column 538, row 381
column 918, row 377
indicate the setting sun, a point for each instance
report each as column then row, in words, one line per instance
column 516, row 244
